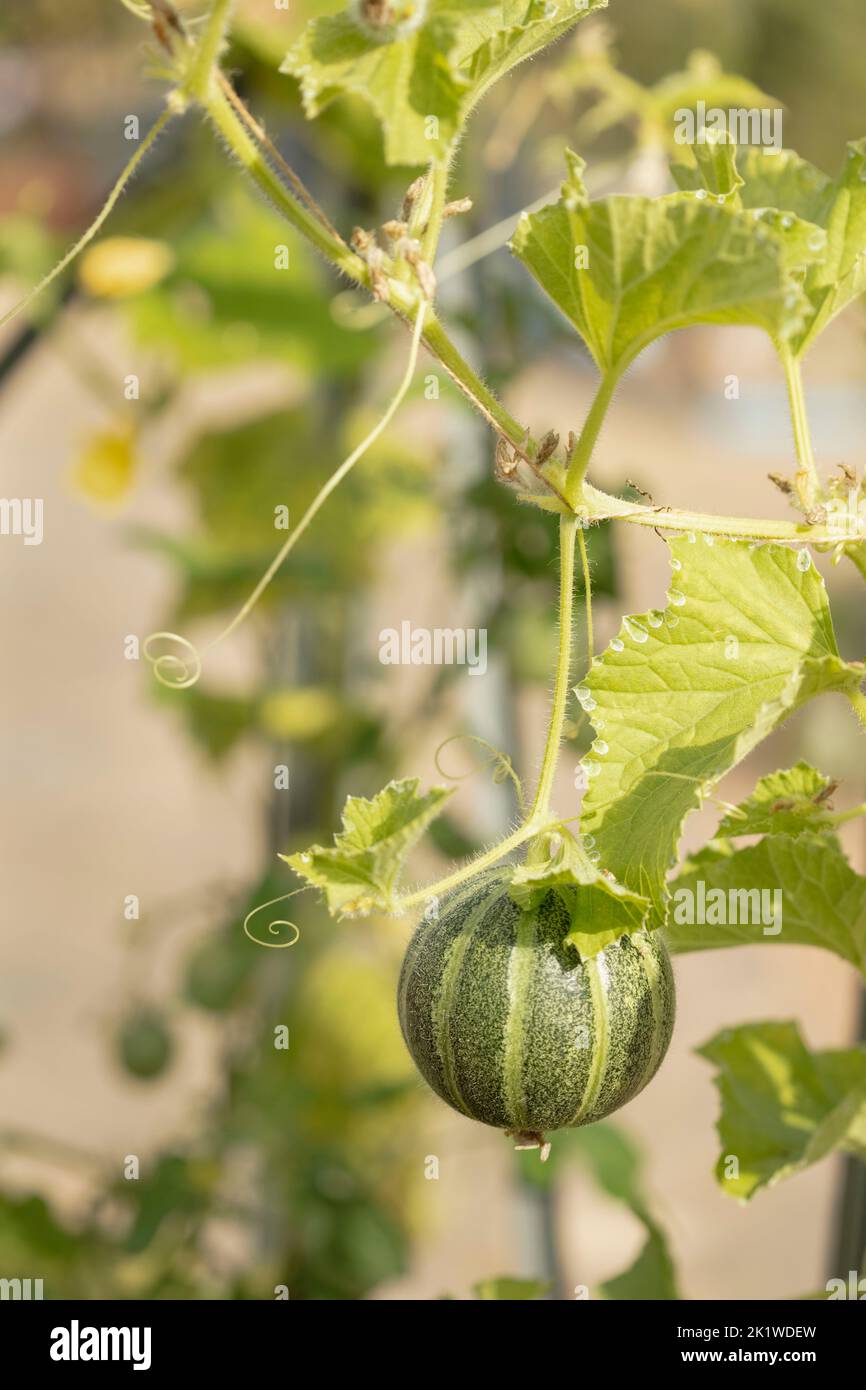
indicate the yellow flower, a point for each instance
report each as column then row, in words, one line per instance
column 104, row 469
column 299, row 713
column 119, row 266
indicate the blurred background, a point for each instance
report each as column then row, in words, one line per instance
column 163, row 403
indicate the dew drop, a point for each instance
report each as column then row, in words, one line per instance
column 588, row 841
column 305, row 858
column 590, row 768
column 691, row 538
column 635, row 630
column 654, row 619
column 701, row 193
column 787, row 221
column 616, row 644
column 671, row 619
column 676, row 564
column 677, row 597
column 804, row 560
column 816, row 241
column 709, row 540
column 721, row 197
column 600, row 747
column 595, row 857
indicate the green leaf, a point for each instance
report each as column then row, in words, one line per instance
column 651, row 1278
column 617, row 1167
column 713, row 166
column 651, row 113
column 838, row 206
column 827, row 216
column 783, row 1107
column 788, row 801
column 601, row 910
column 509, row 1290
column 228, row 301
column 422, row 66
column 703, row 80
column 682, row 696
column 360, row 873
column 822, row 900
column 626, row 270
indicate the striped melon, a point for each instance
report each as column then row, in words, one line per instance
column 511, row 1027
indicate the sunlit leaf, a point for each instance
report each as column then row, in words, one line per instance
column 360, row 872
column 422, row 64
column 821, row 900
column 783, row 1107
column 626, row 269
column 681, row 696
column 788, row 801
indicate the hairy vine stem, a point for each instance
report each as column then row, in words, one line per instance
column 807, row 481
column 567, row 537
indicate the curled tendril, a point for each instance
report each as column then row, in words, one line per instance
column 178, row 672
column 170, row 669
column 273, row 927
column 503, row 765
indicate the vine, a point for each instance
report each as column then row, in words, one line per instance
column 669, row 717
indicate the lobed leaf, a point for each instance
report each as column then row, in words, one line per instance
column 359, row 874
column 823, row 901
column 680, row 697
column 422, row 65
column 825, row 216
column 790, row 800
column 627, row 270
column 783, row 1107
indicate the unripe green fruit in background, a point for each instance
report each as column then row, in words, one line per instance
column 144, row 1044
column 510, row 1026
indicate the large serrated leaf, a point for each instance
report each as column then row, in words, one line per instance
column 823, row 901
column 359, row 874
column 783, row 1107
column 626, row 270
column 423, row 73
column 680, row 697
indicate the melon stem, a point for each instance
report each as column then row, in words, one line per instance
column 567, row 540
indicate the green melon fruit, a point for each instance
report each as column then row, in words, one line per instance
column 510, row 1026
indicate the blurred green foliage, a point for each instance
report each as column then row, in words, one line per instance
column 299, row 1171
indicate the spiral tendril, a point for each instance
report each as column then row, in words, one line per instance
column 178, row 674
column 171, row 670
column 504, row 768
column 273, row 926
